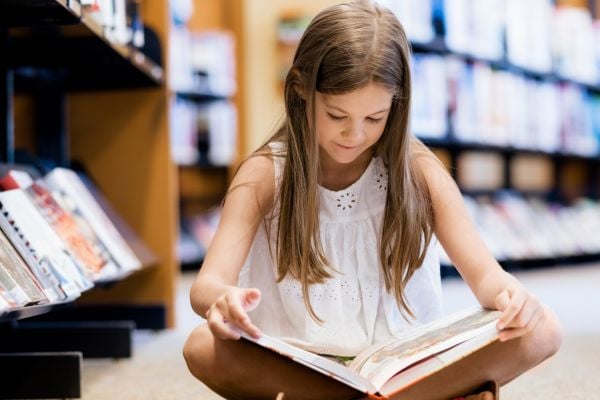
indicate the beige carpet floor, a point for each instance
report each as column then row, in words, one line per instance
column 157, row 369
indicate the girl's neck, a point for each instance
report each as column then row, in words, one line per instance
column 335, row 176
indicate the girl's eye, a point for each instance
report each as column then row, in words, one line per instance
column 335, row 117
column 374, row 120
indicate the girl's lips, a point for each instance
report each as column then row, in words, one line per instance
column 347, row 147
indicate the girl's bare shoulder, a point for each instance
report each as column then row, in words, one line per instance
column 255, row 177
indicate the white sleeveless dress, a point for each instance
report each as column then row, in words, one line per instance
column 356, row 308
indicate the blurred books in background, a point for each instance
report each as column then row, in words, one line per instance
column 503, row 108
column 518, row 228
column 119, row 20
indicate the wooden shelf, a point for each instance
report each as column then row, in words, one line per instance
column 16, row 13
column 199, row 96
column 453, row 144
column 78, row 50
column 516, row 265
column 202, row 183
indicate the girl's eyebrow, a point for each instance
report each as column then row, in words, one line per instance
column 343, row 111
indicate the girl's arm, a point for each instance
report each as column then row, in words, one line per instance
column 492, row 286
column 215, row 294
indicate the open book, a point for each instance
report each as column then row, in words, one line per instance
column 388, row 369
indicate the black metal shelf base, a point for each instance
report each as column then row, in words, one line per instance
column 449, row 271
column 106, row 339
column 153, row 317
column 40, row 375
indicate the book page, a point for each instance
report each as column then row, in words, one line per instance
column 379, row 365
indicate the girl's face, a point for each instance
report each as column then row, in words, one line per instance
column 347, row 125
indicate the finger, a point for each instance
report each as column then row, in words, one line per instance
column 219, row 327
column 251, row 299
column 240, row 318
column 530, row 307
column 511, row 333
column 514, row 306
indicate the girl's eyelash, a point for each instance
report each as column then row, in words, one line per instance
column 335, row 117
column 338, row 118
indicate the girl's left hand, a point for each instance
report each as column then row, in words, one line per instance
column 521, row 312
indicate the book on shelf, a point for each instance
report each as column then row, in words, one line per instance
column 429, row 98
column 141, row 251
column 528, row 34
column 119, row 19
column 26, row 289
column 39, row 246
column 86, row 251
column 70, row 184
column 402, row 366
column 7, row 302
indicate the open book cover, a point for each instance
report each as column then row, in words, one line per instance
column 387, row 369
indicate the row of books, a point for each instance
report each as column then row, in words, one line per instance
column 59, row 238
column 513, row 228
column 502, row 107
column 120, row 19
column 202, row 62
column 516, row 228
column 203, row 133
column 532, row 34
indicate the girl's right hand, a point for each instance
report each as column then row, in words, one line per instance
column 228, row 315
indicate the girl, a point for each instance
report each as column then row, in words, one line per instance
column 328, row 234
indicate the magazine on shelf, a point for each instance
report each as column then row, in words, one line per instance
column 7, row 302
column 135, row 243
column 391, row 368
column 95, row 261
column 70, row 184
column 19, row 272
column 11, row 291
column 39, row 245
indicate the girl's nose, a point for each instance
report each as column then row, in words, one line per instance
column 355, row 130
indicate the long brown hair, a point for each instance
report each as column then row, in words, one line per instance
column 344, row 48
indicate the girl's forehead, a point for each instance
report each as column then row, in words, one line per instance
column 372, row 97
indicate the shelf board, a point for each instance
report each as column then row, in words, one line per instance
column 31, row 311
column 19, row 13
column 199, row 96
column 525, row 264
column 452, row 144
column 195, row 183
column 74, row 46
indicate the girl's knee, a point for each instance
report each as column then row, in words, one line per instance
column 545, row 340
column 552, row 334
column 196, row 351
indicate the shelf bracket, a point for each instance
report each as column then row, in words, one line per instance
column 7, row 131
column 40, row 375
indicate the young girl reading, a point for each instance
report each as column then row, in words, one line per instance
column 329, row 232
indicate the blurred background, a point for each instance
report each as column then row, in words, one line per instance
column 159, row 101
column 506, row 93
